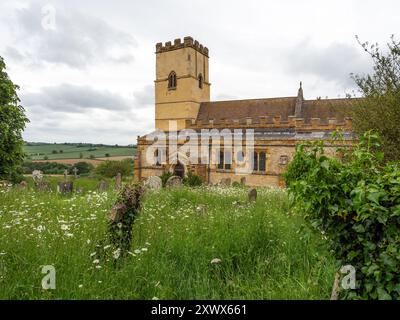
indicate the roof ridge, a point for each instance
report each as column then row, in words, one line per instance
column 238, row 100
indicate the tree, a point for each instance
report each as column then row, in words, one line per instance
column 379, row 110
column 12, row 124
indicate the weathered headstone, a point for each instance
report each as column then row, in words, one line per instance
column 65, row 187
column 153, row 182
column 118, row 181
column 243, row 181
column 252, row 195
column 174, row 181
column 225, row 182
column 103, row 186
column 23, row 185
column 117, row 212
column 65, row 174
column 37, row 176
column 43, row 186
column 201, row 209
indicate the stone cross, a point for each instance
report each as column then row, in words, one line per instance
column 75, row 169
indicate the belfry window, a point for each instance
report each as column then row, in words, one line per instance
column 200, row 81
column 172, row 81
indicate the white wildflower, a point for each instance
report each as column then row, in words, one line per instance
column 215, row 260
column 96, row 261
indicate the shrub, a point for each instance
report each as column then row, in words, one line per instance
column 192, row 180
column 110, row 169
column 45, row 167
column 355, row 203
column 165, row 176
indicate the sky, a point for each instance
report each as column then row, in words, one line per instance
column 86, row 69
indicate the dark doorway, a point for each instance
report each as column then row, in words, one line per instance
column 179, row 170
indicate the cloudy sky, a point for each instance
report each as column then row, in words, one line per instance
column 86, row 68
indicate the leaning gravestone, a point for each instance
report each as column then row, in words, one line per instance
column 243, row 181
column 103, row 186
column 252, row 195
column 174, row 181
column 153, row 182
column 65, row 187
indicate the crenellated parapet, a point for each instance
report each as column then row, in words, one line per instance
column 187, row 42
column 276, row 122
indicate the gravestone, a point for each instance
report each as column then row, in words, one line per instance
column 37, row 176
column 252, row 195
column 225, row 182
column 75, row 170
column 117, row 212
column 243, row 181
column 118, row 181
column 154, row 183
column 174, row 181
column 23, row 185
column 43, row 186
column 65, row 174
column 65, row 187
column 79, row 190
column 103, row 186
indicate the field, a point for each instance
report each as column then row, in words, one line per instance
column 37, row 151
column 188, row 243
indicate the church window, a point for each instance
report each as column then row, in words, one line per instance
column 200, row 81
column 261, row 161
column 221, row 160
column 157, row 157
column 255, row 161
column 172, row 80
column 228, row 160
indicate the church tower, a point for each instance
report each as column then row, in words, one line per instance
column 182, row 82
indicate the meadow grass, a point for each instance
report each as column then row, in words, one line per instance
column 259, row 249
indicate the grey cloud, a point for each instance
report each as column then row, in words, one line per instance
column 73, row 99
column 332, row 63
column 145, row 97
column 77, row 41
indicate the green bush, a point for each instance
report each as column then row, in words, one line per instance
column 110, row 169
column 165, row 176
column 192, row 180
column 45, row 167
column 355, row 203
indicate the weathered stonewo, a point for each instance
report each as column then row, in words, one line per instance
column 118, row 181
column 153, row 182
column 117, row 212
column 43, row 186
column 225, row 182
column 103, row 186
column 23, row 185
column 65, row 187
column 252, row 195
column 174, row 181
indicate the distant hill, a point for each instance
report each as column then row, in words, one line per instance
column 58, row 151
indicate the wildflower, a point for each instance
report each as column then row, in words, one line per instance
column 215, row 260
column 155, row 298
column 137, row 251
column 144, row 249
column 117, row 253
column 93, row 254
column 64, row 227
column 88, row 241
column 96, row 261
column 98, row 267
column 106, row 247
column 80, row 286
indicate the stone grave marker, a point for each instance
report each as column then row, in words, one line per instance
column 252, row 195
column 153, row 182
column 65, row 187
column 173, row 181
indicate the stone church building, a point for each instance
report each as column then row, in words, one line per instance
column 182, row 98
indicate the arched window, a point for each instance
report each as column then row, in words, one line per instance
column 157, row 157
column 221, row 160
column 200, row 81
column 261, row 161
column 172, row 80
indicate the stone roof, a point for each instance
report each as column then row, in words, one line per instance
column 284, row 107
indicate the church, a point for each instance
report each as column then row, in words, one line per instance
column 185, row 116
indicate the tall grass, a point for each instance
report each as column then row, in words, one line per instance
column 198, row 243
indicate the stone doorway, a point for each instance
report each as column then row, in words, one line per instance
column 179, row 170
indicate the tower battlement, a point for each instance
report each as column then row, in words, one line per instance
column 188, row 42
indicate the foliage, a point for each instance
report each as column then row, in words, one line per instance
column 355, row 203
column 110, row 168
column 165, row 176
column 192, row 180
column 46, row 167
column 379, row 110
column 12, row 124
column 125, row 210
column 263, row 251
